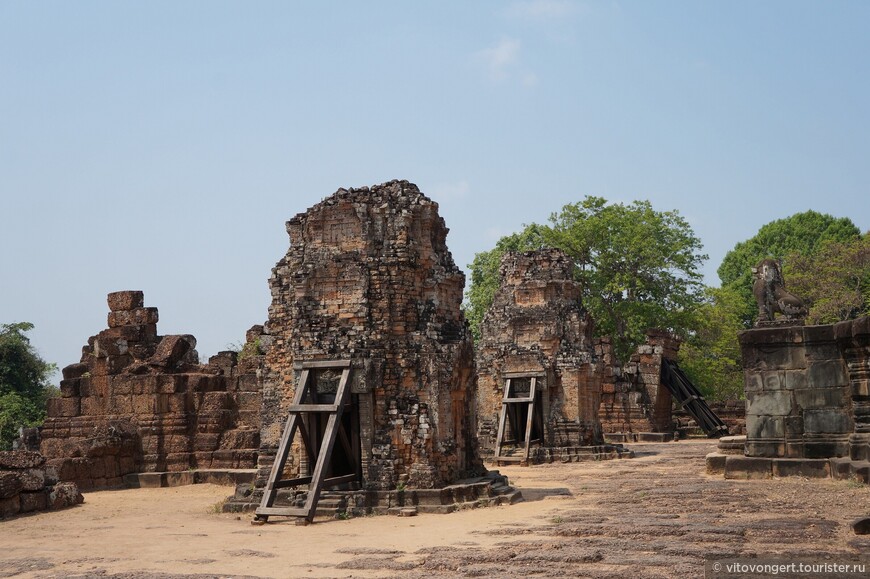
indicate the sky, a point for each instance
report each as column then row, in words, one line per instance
column 161, row 146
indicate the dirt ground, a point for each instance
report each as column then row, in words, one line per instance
column 657, row 515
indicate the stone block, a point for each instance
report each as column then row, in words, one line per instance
column 74, row 371
column 765, row 448
column 248, row 383
column 794, row 426
column 134, row 317
column 744, row 467
column 67, row 407
column 795, row 379
column 810, row 468
column 179, row 403
column 832, row 421
column 178, row 462
column 819, row 398
column 144, row 384
column 33, row 501
column 821, row 448
column 774, row 403
column 144, row 403
column 20, row 459
column 171, row 383
column 65, row 494
column 125, row 300
column 143, row 480
column 753, row 381
column 32, row 479
column 9, row 507
column 715, row 463
column 213, row 402
column 92, row 405
column 248, row 401
column 121, row 404
column 69, row 388
column 829, row 374
column 10, row 484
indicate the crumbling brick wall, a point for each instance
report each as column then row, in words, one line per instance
column 634, row 399
column 537, row 324
column 139, row 402
column 368, row 277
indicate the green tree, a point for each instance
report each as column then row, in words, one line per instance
column 710, row 356
column 801, row 234
column 485, row 272
column 638, row 267
column 24, row 385
column 834, row 280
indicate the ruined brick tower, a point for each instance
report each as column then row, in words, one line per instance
column 142, row 403
column 368, row 277
column 537, row 327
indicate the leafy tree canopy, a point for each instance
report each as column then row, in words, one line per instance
column 24, row 382
column 711, row 356
column 801, row 234
column 834, row 280
column 638, row 267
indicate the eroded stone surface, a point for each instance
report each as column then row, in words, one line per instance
column 139, row 402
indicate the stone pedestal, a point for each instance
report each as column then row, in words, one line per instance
column 797, row 393
column 807, row 403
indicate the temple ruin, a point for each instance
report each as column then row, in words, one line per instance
column 368, row 295
column 539, row 375
column 142, row 403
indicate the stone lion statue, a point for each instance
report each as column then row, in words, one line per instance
column 771, row 295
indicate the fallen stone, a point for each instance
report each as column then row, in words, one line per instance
column 65, row 494
column 10, row 484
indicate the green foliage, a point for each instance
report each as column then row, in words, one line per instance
column 24, row 386
column 250, row 349
column 710, row 357
column 834, row 280
column 801, row 234
column 485, row 272
column 638, row 267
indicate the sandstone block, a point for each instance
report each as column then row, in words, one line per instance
column 10, row 484
column 70, row 387
column 20, row 459
column 32, row 479
column 63, row 407
column 744, row 467
column 135, row 317
column 9, row 507
column 74, row 371
column 65, row 494
column 33, row 501
column 125, row 300
column 810, row 468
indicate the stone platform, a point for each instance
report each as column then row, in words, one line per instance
column 544, row 455
column 639, row 436
column 489, row 490
column 730, row 461
column 227, row 477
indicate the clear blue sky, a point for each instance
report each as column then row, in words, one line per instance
column 161, row 146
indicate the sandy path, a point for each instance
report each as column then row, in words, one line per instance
column 657, row 515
